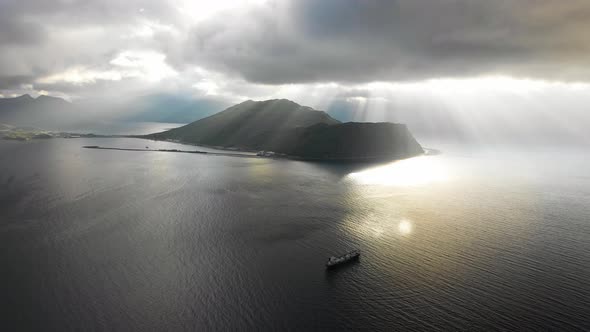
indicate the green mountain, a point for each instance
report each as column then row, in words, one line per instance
column 354, row 141
column 283, row 126
column 249, row 125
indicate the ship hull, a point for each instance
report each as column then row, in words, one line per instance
column 342, row 263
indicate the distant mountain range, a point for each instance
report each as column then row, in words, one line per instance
column 58, row 114
column 28, row 111
column 283, row 126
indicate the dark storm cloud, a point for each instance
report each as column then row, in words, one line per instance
column 295, row 41
column 355, row 41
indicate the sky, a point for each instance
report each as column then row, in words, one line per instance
column 471, row 60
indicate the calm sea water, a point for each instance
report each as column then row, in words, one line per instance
column 123, row 128
column 469, row 239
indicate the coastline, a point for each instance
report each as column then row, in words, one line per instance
column 370, row 159
column 244, row 154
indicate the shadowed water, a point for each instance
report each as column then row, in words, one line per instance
column 464, row 240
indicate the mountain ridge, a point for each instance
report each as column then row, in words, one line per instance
column 249, row 125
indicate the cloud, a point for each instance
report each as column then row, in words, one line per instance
column 364, row 41
column 41, row 40
column 246, row 48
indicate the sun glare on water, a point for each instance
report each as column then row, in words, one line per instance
column 409, row 172
column 405, row 227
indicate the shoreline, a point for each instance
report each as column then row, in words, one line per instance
column 231, row 152
column 275, row 157
column 221, row 148
column 243, row 155
column 427, row 152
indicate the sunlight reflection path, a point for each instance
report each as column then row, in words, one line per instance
column 409, row 172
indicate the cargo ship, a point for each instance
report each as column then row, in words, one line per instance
column 339, row 260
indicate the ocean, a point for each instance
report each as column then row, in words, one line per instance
column 473, row 238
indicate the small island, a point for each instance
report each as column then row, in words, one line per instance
column 282, row 127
